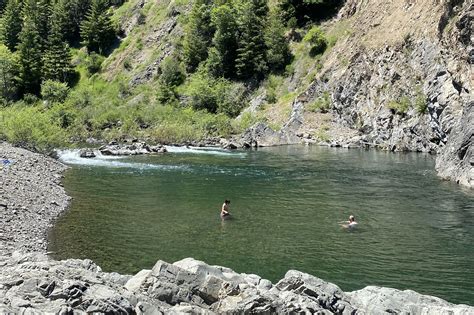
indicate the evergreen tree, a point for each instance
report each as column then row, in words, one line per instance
column 97, row 31
column 8, row 73
column 29, row 50
column 251, row 52
column 10, row 24
column 198, row 34
column 57, row 57
column 38, row 11
column 278, row 51
column 76, row 11
column 224, row 41
column 3, row 4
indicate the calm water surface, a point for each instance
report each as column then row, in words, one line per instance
column 415, row 231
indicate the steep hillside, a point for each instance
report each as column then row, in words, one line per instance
column 393, row 75
column 400, row 81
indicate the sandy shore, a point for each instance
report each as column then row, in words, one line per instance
column 31, row 198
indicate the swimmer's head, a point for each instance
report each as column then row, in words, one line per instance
column 227, row 201
column 351, row 218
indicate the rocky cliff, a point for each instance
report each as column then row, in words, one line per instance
column 401, row 81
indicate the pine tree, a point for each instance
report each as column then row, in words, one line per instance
column 278, row 51
column 198, row 34
column 251, row 53
column 29, row 50
column 3, row 4
column 57, row 57
column 10, row 24
column 97, row 31
column 224, row 41
column 38, row 11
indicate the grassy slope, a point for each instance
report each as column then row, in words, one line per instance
column 104, row 105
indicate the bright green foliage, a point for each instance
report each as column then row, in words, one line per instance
column 54, row 91
column 400, row 106
column 224, row 53
column 30, row 127
column 215, row 95
column 198, row 34
column 97, row 31
column 10, row 24
column 278, row 53
column 251, row 52
column 38, row 11
column 315, row 37
column 57, row 57
column 8, row 73
column 29, row 51
column 172, row 72
column 421, row 103
column 321, row 104
column 94, row 63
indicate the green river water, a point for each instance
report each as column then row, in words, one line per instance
column 415, row 231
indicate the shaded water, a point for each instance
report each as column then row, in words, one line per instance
column 415, row 231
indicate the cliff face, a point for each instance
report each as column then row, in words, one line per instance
column 402, row 80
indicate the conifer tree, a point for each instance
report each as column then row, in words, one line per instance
column 251, row 52
column 97, row 31
column 198, row 34
column 29, row 50
column 278, row 51
column 38, row 11
column 57, row 57
column 224, row 40
column 10, row 24
column 3, row 4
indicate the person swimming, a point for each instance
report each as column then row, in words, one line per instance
column 349, row 224
column 225, row 209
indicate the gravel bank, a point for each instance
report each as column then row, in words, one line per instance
column 31, row 197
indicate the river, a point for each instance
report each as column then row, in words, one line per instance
column 415, row 231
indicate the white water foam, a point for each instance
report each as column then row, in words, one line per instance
column 203, row 150
column 73, row 157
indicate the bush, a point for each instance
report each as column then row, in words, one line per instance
column 94, row 63
column 30, row 127
column 53, row 91
column 421, row 103
column 321, row 104
column 316, row 38
column 172, row 72
column 400, row 106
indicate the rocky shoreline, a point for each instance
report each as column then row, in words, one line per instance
column 31, row 282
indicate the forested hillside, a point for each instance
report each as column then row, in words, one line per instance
column 170, row 71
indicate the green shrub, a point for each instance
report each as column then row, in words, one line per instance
column 421, row 103
column 54, row 91
column 316, row 38
column 172, row 72
column 321, row 104
column 400, row 106
column 94, row 63
column 30, row 127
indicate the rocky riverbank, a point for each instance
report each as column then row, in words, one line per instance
column 31, row 197
column 35, row 283
column 31, row 282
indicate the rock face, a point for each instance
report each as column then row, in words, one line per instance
column 409, row 90
column 35, row 283
column 456, row 161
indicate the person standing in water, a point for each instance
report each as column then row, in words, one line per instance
column 225, row 209
column 349, row 224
